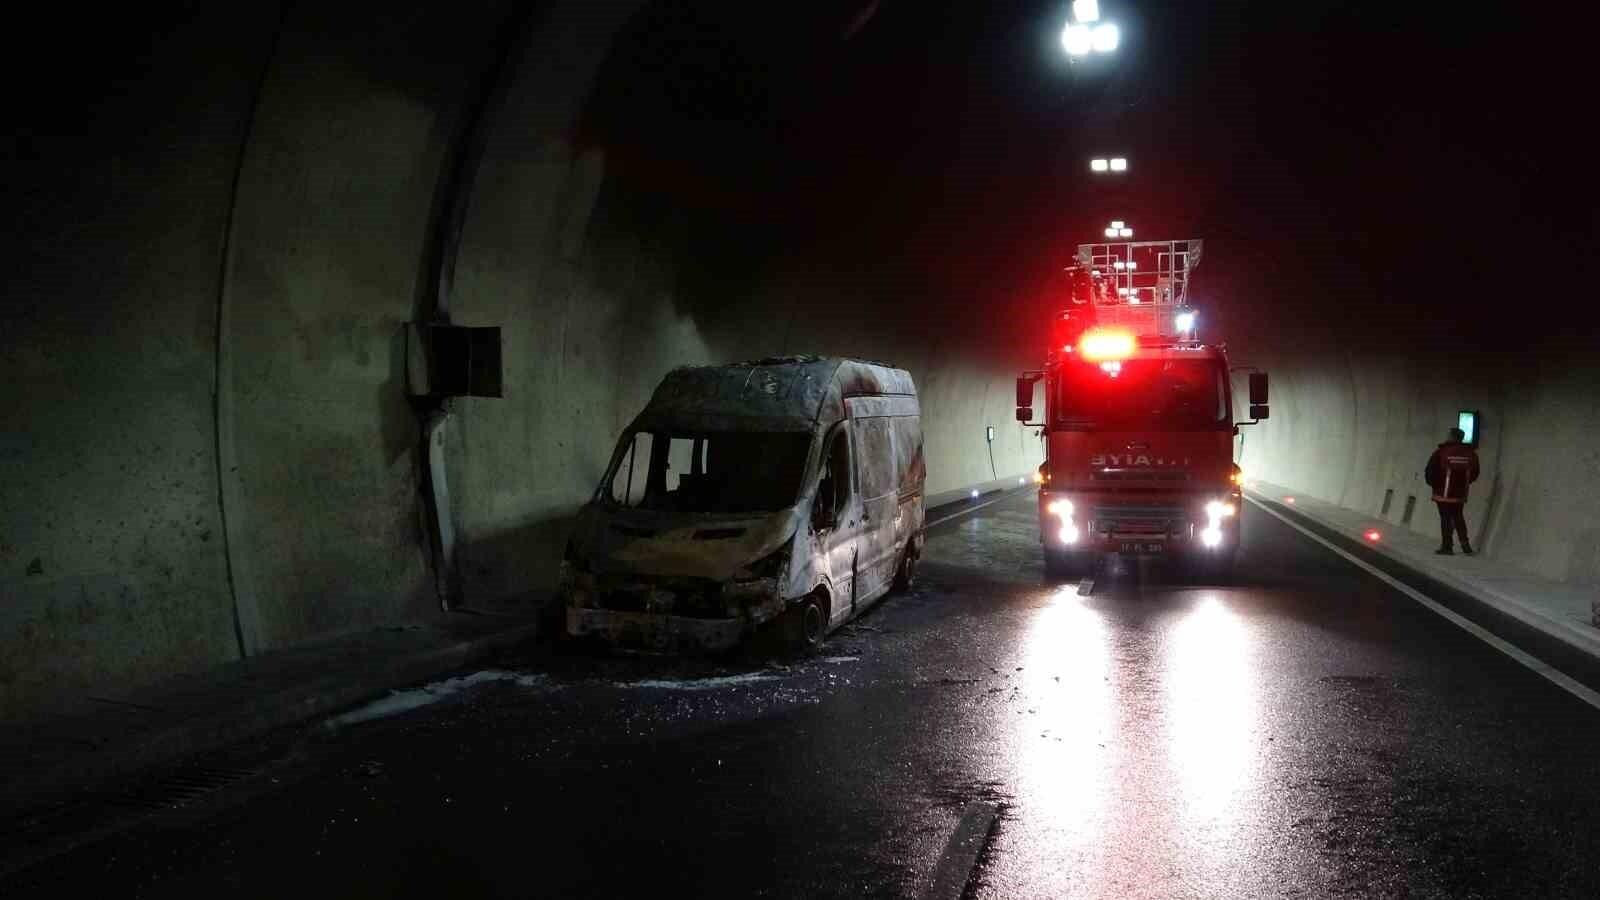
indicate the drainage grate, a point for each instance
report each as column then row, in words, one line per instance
column 76, row 819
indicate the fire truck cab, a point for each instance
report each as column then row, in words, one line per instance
column 1139, row 418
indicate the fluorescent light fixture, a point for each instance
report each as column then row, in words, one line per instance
column 1077, row 40
column 1105, row 37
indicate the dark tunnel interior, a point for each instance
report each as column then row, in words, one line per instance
column 227, row 228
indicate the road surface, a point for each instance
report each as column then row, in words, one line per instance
column 1301, row 732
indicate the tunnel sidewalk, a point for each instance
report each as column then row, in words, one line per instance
column 118, row 732
column 1548, row 618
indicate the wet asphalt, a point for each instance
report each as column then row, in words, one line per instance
column 1303, row 731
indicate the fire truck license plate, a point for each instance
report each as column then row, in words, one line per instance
column 1143, row 547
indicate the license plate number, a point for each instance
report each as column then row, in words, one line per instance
column 1143, row 547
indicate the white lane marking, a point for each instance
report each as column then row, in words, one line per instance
column 970, row 509
column 1532, row 663
column 961, row 853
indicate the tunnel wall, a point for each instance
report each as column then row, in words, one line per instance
column 205, row 332
column 602, row 283
column 1350, row 421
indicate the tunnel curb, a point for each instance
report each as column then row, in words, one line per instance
column 1575, row 660
column 288, row 703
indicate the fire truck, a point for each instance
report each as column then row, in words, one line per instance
column 1139, row 419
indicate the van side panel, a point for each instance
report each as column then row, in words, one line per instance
column 887, row 432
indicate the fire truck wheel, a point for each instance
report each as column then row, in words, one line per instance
column 1062, row 564
column 1216, row 568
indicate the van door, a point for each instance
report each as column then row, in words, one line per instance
column 873, row 447
column 839, row 535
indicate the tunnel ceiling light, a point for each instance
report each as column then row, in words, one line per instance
column 1099, row 165
column 1077, row 40
column 1106, row 37
column 1086, row 10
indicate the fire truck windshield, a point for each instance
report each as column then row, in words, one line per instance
column 1168, row 394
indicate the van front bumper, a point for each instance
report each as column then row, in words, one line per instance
column 655, row 631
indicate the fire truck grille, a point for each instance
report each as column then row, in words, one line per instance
column 1138, row 519
column 1139, row 475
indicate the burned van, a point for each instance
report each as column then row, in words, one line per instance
column 784, row 491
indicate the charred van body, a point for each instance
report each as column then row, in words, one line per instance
column 782, row 490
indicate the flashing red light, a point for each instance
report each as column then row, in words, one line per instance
column 1289, row 500
column 1373, row 535
column 1104, row 345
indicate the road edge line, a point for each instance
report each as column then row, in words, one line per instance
column 1004, row 495
column 1527, row 660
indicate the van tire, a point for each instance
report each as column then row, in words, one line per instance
column 805, row 625
column 905, row 575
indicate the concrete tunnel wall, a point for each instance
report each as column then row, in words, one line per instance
column 210, row 450
column 1359, row 402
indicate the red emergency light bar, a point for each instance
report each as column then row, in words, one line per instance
column 1103, row 344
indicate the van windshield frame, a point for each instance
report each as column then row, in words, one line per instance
column 708, row 472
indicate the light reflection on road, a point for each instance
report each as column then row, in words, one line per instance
column 1135, row 755
column 1211, row 713
column 1064, row 729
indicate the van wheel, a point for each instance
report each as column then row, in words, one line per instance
column 805, row 625
column 905, row 577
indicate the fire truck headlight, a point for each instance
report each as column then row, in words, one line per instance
column 1061, row 508
column 1211, row 537
column 1217, row 510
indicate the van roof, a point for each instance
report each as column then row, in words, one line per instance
column 789, row 393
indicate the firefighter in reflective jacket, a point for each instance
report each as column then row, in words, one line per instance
column 1452, row 468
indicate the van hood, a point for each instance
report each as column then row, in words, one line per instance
column 679, row 545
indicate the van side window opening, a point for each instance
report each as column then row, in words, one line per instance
column 718, row 472
column 836, row 471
